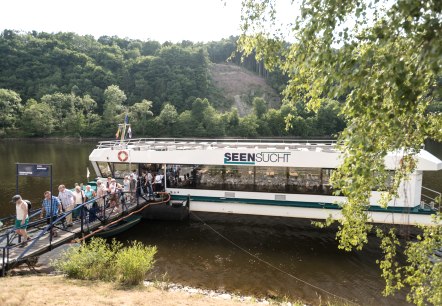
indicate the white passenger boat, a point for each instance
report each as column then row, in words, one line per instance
column 288, row 178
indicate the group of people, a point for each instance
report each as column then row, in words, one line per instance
column 132, row 186
column 147, row 183
column 52, row 206
column 151, row 182
column 66, row 201
column 113, row 189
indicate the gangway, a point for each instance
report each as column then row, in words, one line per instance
column 14, row 253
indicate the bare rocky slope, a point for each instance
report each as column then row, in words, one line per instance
column 241, row 86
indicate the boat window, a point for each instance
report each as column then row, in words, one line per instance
column 384, row 181
column 250, row 178
column 239, row 178
column 105, row 169
column 123, row 169
column 389, row 179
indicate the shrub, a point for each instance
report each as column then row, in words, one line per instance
column 98, row 260
column 132, row 263
column 89, row 261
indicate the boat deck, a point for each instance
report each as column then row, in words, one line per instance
column 171, row 144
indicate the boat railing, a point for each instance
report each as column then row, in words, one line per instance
column 168, row 144
column 430, row 199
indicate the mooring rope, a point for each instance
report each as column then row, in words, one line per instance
column 271, row 265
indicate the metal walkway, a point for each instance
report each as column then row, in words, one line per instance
column 14, row 253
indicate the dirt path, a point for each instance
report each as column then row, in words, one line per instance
column 57, row 290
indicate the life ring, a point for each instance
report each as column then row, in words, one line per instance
column 123, row 156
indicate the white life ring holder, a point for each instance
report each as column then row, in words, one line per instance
column 123, row 156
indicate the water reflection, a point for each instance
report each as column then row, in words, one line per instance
column 216, row 257
column 69, row 160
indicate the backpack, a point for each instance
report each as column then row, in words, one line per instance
column 29, row 204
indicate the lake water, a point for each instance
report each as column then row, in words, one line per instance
column 249, row 255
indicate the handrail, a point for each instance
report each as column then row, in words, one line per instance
column 12, row 228
column 13, row 216
column 432, row 190
column 43, row 232
column 431, row 198
column 124, row 217
column 49, row 226
column 7, row 247
column 59, row 219
column 210, row 141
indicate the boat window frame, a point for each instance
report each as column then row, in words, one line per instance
column 108, row 164
column 288, row 180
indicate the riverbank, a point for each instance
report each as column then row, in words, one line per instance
column 57, row 290
column 41, row 285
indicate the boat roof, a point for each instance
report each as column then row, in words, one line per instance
column 303, row 153
column 170, row 144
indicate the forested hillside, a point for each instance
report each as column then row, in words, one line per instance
column 64, row 84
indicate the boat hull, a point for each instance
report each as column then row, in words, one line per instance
column 119, row 227
column 308, row 210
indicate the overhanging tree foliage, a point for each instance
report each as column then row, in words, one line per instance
column 10, row 106
column 381, row 60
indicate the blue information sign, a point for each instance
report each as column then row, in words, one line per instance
column 33, row 170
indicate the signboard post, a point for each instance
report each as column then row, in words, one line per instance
column 38, row 170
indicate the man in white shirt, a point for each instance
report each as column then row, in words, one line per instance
column 101, row 192
column 158, row 182
column 112, row 191
column 67, row 199
column 134, row 173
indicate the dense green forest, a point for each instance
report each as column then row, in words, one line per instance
column 65, row 84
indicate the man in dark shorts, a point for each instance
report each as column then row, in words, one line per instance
column 51, row 206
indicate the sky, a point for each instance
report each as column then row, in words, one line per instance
column 159, row 20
